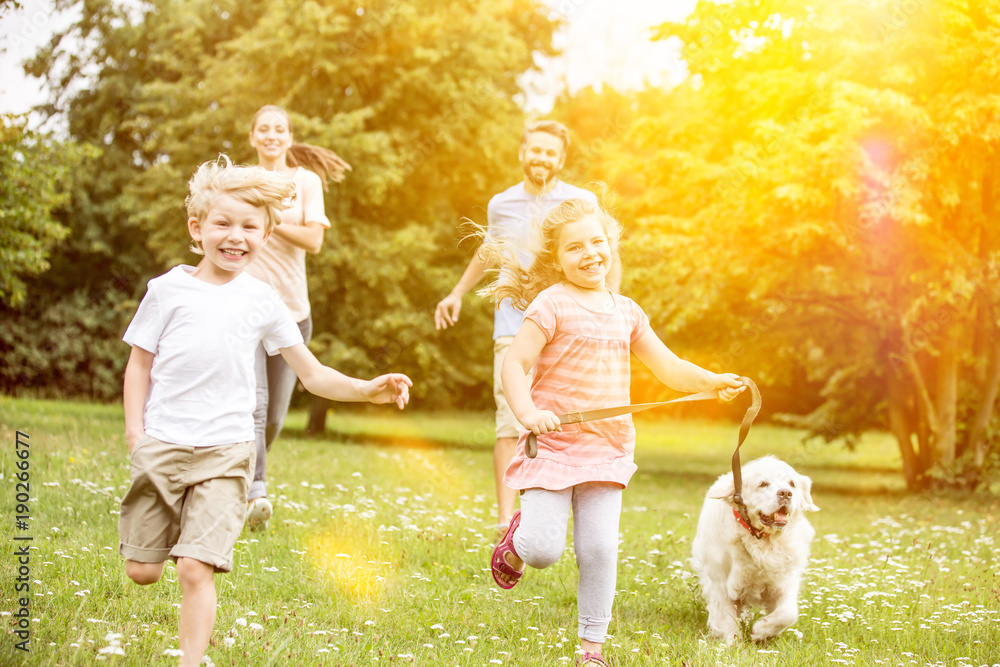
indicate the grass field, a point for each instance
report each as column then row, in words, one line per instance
column 378, row 554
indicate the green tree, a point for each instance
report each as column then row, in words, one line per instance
column 417, row 96
column 34, row 169
column 812, row 208
column 55, row 338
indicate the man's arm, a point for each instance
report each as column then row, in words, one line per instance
column 446, row 313
column 137, row 370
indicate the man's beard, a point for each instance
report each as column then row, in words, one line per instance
column 540, row 174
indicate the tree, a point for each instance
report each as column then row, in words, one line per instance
column 61, row 319
column 812, row 208
column 35, row 169
column 418, row 96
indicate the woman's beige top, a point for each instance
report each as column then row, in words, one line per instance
column 283, row 265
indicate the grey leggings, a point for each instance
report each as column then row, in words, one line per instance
column 275, row 382
column 541, row 538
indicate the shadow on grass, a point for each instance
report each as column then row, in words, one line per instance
column 387, row 440
column 868, row 481
column 820, row 488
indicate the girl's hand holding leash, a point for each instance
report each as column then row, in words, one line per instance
column 730, row 386
column 541, row 421
column 390, row 388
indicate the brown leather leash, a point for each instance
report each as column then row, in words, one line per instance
column 748, row 418
column 531, row 444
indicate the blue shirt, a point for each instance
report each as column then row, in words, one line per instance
column 510, row 215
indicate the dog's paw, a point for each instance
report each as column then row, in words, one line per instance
column 769, row 627
column 729, row 639
column 725, row 629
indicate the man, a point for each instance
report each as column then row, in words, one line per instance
column 512, row 214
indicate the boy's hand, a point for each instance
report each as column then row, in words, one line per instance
column 390, row 388
column 541, row 421
column 729, row 386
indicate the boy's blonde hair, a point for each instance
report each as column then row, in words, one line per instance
column 271, row 190
column 522, row 284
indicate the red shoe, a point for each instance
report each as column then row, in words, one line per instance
column 498, row 564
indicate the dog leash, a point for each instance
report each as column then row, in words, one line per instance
column 748, row 418
column 531, row 444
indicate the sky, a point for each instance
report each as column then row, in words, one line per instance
column 604, row 42
column 22, row 31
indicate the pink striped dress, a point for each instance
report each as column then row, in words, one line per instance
column 584, row 366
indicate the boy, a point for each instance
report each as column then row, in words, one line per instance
column 189, row 392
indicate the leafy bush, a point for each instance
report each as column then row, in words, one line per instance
column 68, row 348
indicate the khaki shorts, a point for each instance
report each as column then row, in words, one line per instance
column 507, row 424
column 185, row 502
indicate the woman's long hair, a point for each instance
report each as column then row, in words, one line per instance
column 325, row 163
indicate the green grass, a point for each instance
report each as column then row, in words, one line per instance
column 378, row 553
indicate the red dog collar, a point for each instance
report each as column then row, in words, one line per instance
column 753, row 531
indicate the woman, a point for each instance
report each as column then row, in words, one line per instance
column 282, row 264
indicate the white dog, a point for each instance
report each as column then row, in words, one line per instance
column 739, row 570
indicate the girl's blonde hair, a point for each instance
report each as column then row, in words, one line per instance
column 521, row 284
column 327, row 164
column 271, row 190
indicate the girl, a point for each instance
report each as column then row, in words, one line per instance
column 577, row 334
column 282, row 265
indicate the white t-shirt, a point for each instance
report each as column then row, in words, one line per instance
column 510, row 215
column 203, row 338
column 281, row 264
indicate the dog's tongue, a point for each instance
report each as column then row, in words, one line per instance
column 781, row 516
